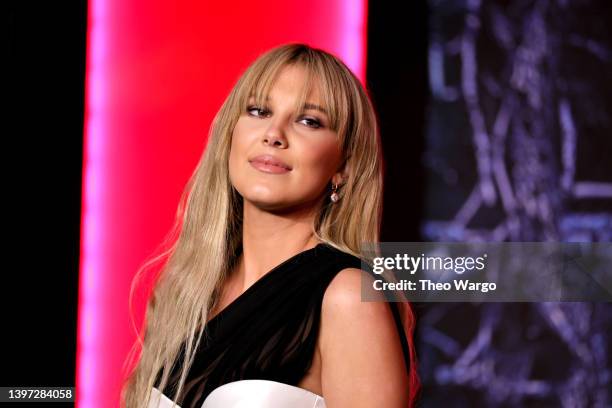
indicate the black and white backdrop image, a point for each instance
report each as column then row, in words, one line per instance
column 518, row 147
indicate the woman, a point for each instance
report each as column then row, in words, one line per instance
column 268, row 257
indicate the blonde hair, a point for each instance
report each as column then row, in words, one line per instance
column 207, row 234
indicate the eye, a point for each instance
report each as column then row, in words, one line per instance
column 312, row 122
column 257, row 111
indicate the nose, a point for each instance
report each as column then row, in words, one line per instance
column 275, row 135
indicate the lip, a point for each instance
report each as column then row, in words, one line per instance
column 269, row 164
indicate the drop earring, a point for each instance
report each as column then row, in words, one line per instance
column 334, row 195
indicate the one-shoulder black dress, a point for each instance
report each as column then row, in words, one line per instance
column 270, row 331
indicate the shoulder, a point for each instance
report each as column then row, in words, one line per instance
column 360, row 347
column 345, row 287
column 342, row 300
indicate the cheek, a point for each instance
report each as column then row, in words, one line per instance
column 321, row 158
column 237, row 153
column 238, row 136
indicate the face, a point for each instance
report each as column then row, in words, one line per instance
column 281, row 158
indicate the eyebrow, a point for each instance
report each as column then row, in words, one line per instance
column 307, row 105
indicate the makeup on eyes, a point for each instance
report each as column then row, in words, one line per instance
column 316, row 123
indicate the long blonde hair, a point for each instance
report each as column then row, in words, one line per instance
column 208, row 226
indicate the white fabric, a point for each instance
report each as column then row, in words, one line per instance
column 251, row 394
column 159, row 400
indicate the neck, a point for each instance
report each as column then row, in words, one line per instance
column 270, row 238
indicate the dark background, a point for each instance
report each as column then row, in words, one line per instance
column 42, row 158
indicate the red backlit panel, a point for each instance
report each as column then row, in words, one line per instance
column 157, row 71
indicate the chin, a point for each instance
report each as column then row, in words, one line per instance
column 262, row 197
column 274, row 199
column 270, row 205
column 281, row 207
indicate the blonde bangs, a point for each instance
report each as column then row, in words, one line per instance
column 260, row 77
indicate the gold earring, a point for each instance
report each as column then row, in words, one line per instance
column 334, row 195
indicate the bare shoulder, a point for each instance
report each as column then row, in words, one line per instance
column 361, row 353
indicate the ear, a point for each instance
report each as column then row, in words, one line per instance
column 341, row 176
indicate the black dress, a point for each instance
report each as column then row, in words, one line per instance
column 270, row 331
